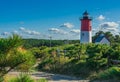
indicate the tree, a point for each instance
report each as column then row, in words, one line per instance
column 78, row 51
column 81, row 51
column 110, row 36
column 12, row 54
column 117, row 38
column 97, row 56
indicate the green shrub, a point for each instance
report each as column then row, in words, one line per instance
column 26, row 78
column 42, row 80
column 22, row 78
column 1, row 79
column 111, row 73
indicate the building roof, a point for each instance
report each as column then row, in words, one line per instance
column 100, row 37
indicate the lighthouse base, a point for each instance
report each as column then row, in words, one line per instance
column 86, row 37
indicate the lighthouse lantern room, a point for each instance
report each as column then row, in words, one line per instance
column 86, row 33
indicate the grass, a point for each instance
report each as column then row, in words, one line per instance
column 112, row 73
column 22, row 78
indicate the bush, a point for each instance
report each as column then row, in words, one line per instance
column 22, row 78
column 111, row 73
column 42, row 80
column 1, row 79
column 25, row 78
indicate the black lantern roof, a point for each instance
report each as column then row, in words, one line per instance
column 86, row 16
column 85, row 13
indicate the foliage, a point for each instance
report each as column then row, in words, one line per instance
column 78, row 51
column 28, row 64
column 39, row 52
column 97, row 56
column 115, row 52
column 111, row 73
column 78, row 59
column 42, row 80
column 30, row 43
column 12, row 54
column 22, row 78
column 26, row 78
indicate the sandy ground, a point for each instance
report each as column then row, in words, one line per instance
column 50, row 77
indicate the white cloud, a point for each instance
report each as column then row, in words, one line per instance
column 109, row 25
column 54, row 29
column 101, row 17
column 29, row 31
column 112, row 29
column 57, row 31
column 75, row 31
column 5, row 33
column 94, row 30
column 67, row 25
column 22, row 28
column 15, row 32
column 33, row 33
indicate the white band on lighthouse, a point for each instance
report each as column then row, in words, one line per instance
column 86, row 36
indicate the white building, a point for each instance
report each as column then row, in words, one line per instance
column 101, row 39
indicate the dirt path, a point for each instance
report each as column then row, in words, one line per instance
column 52, row 77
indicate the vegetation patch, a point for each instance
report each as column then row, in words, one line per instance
column 111, row 73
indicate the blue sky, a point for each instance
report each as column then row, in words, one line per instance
column 56, row 18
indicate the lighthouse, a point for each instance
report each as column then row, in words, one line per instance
column 86, row 33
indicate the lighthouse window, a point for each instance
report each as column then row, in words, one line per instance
column 82, row 34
